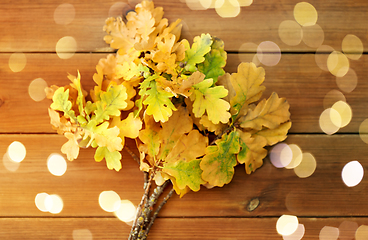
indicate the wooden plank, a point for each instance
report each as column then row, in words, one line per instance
column 296, row 77
column 279, row 191
column 167, row 228
column 256, row 23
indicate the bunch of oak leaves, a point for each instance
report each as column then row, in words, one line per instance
column 192, row 122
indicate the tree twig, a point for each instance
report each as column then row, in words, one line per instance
column 131, row 153
column 138, row 221
column 167, row 197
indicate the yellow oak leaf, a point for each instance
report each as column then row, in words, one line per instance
column 71, row 147
column 247, row 85
column 119, row 35
column 209, row 99
column 129, row 127
column 179, row 124
column 252, row 151
column 188, row 147
column 219, row 161
column 108, row 137
column 275, row 135
column 224, row 80
column 142, row 21
column 268, row 113
column 61, row 124
column 150, row 136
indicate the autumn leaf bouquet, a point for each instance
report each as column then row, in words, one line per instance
column 192, row 122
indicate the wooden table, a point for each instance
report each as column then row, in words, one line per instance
column 320, row 200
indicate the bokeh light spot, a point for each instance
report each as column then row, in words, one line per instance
column 245, row 3
column 195, row 5
column 297, row 156
column 66, row 47
column 352, row 47
column 118, row 9
column 362, row 233
column 40, row 201
column 345, row 113
column 297, row 235
column 321, row 56
column 338, row 64
column 9, row 164
column 348, row 82
column 281, row 155
column 290, row 32
column 17, row 62
column 287, row 225
column 347, row 230
column 227, row 8
column 82, row 234
column 109, row 201
column 332, row 97
column 126, row 212
column 307, row 167
column 36, row 89
column 54, row 204
column 268, row 53
column 329, row 233
column 56, row 164
column 352, row 173
column 64, row 14
column 247, row 52
column 330, row 121
column 313, row 36
column 17, row 151
column 305, row 14
column 363, row 131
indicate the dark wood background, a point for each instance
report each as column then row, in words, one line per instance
column 220, row 213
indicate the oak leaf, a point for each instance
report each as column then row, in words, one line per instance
column 186, row 174
column 252, row 151
column 179, row 124
column 268, row 113
column 111, row 103
column 119, row 35
column 215, row 61
column 207, row 98
column 219, row 161
column 61, row 103
column 150, row 136
column 71, row 147
column 194, row 55
column 188, row 147
column 112, row 158
column 158, row 103
column 247, row 85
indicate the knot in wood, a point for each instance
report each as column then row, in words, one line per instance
column 253, row 204
column 1, row 102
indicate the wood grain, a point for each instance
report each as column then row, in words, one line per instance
column 296, row 78
column 219, row 213
column 167, row 228
column 256, row 23
column 279, row 191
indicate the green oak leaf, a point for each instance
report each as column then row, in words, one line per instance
column 214, row 61
column 111, row 103
column 112, row 158
column 207, row 98
column 219, row 161
column 200, row 47
column 159, row 103
column 185, row 174
column 61, row 103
